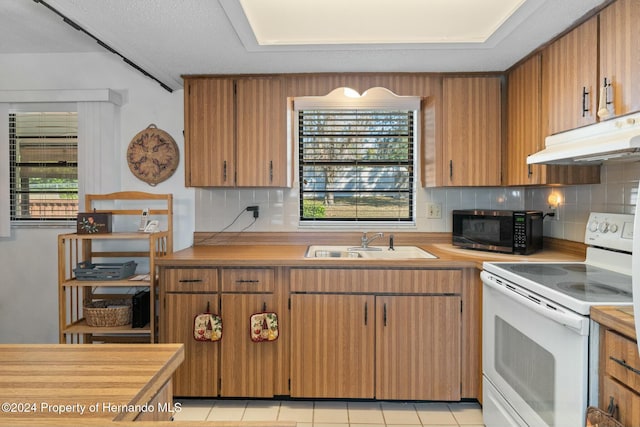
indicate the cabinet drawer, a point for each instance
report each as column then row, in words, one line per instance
column 626, row 400
column 190, row 279
column 248, row 280
column 376, row 281
column 621, row 359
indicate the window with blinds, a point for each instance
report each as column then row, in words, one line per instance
column 356, row 165
column 43, row 156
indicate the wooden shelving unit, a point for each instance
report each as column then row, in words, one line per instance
column 74, row 294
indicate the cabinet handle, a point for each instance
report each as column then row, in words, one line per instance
column 241, row 281
column 585, row 101
column 365, row 313
column 625, row 365
column 264, row 306
column 450, row 169
column 529, row 171
column 384, row 314
column 224, row 170
column 190, row 281
column 270, row 170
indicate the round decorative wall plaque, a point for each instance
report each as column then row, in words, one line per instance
column 153, row 155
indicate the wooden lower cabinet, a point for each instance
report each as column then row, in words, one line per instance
column 620, row 379
column 418, row 347
column 198, row 374
column 247, row 367
column 332, row 346
column 383, row 347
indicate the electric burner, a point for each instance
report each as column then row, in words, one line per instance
column 538, row 269
column 586, row 289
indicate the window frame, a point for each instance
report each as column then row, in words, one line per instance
column 347, row 99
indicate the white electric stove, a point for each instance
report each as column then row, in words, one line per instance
column 539, row 345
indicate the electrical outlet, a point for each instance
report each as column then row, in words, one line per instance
column 434, row 210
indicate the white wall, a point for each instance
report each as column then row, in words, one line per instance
column 28, row 259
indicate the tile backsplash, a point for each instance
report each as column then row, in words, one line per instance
column 224, row 209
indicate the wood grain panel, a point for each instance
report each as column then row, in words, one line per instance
column 471, row 330
column 472, row 131
column 569, row 65
column 623, row 350
column 248, row 280
column 332, row 346
column 262, row 137
column 418, row 347
column 525, row 136
column 620, row 54
column 209, row 132
column 189, row 280
column 376, row 281
column 625, row 399
column 247, row 368
column 198, row 374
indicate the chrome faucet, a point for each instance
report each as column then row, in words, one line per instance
column 366, row 241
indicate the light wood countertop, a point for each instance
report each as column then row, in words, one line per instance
column 60, row 381
column 620, row 319
column 293, row 255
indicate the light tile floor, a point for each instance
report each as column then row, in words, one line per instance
column 334, row 413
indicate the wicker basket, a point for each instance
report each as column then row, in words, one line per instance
column 116, row 312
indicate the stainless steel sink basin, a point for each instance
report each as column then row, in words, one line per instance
column 372, row 252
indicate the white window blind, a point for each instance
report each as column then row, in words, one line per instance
column 43, row 157
column 356, row 164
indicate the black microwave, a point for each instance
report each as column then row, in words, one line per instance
column 513, row 232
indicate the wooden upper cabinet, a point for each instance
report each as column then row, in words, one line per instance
column 209, row 133
column 570, row 79
column 262, row 134
column 471, row 131
column 620, row 55
column 235, row 132
column 524, row 135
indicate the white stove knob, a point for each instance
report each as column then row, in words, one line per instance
column 613, row 228
column 603, row 227
column 593, row 226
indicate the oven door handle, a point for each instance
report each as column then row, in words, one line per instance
column 573, row 322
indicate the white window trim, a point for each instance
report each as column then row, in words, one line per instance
column 98, row 129
column 374, row 98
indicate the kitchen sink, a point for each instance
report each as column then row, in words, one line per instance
column 372, row 252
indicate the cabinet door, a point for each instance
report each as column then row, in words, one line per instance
column 570, row 79
column 471, row 127
column 418, row 347
column 620, row 54
column 262, row 135
column 524, row 136
column 247, row 367
column 209, row 132
column 197, row 376
column 626, row 400
column 332, row 346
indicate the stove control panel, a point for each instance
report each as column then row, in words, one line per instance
column 611, row 231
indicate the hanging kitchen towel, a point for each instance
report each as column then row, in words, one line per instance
column 207, row 326
column 263, row 326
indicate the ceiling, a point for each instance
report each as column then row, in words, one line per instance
column 170, row 38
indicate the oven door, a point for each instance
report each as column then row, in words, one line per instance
column 535, row 355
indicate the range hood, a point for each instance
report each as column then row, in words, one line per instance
column 617, row 139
